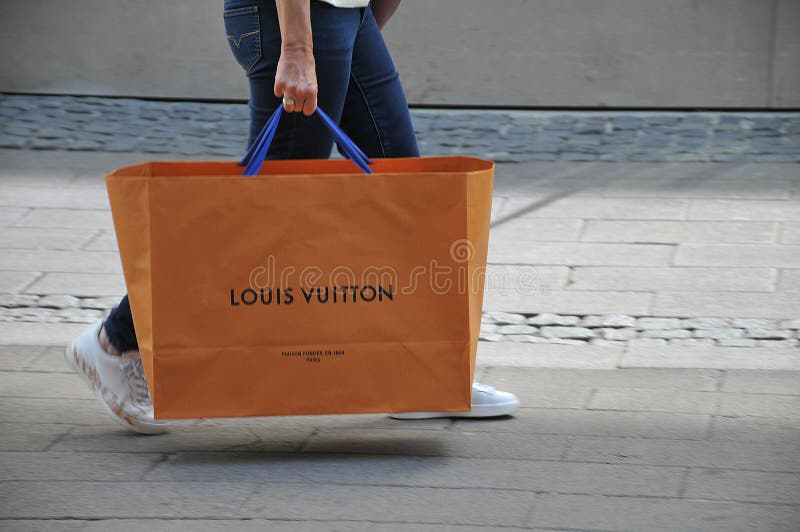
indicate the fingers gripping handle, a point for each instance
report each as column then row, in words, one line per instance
column 257, row 152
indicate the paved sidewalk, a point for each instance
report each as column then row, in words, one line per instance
column 659, row 431
column 627, row 449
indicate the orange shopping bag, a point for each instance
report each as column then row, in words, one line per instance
column 309, row 288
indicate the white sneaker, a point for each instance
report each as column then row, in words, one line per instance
column 117, row 381
column 486, row 402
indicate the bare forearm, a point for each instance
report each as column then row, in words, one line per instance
column 383, row 10
column 294, row 17
column 295, row 75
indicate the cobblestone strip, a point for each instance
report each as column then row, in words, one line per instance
column 215, row 129
column 610, row 329
column 613, row 329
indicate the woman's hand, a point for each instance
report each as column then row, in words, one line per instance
column 296, row 76
column 296, row 79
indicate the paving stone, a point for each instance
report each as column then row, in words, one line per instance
column 750, row 486
column 108, row 499
column 727, row 304
column 58, row 301
column 777, row 343
column 103, row 242
column 756, row 430
column 454, row 506
column 240, row 525
column 693, row 341
column 11, row 282
column 642, row 400
column 529, row 338
column 548, row 355
column 503, row 318
column 9, row 215
column 737, row 342
column 100, row 303
column 666, row 333
column 769, row 382
column 725, row 332
column 673, row 279
column 181, row 438
column 555, row 319
column 437, row 443
column 43, row 385
column 755, row 210
column 80, row 284
column 656, row 379
column 39, row 315
column 581, row 254
column 751, row 323
column 790, row 324
column 658, row 323
column 37, row 238
column 68, row 218
column 710, row 357
column 489, row 328
column 571, row 302
column 630, row 513
column 36, row 197
column 29, row 437
column 566, row 332
column 604, row 342
column 54, row 411
column 516, row 329
column 705, row 323
column 701, row 454
column 63, row 261
column 611, row 208
column 545, row 476
column 538, row 230
column 647, row 342
column 789, row 280
column 747, row 404
column 609, row 320
column 371, row 470
column 18, row 357
column 790, row 232
column 594, row 423
column 617, row 334
column 769, row 334
column 54, row 466
column 781, row 256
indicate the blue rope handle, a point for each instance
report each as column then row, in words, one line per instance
column 257, row 152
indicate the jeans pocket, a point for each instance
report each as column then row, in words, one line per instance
column 243, row 30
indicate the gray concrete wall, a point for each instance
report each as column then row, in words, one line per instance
column 648, row 53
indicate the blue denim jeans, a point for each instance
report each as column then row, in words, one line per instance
column 358, row 87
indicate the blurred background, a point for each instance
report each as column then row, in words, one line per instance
column 513, row 53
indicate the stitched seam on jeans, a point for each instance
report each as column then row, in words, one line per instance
column 258, row 54
column 253, row 12
column 371, row 115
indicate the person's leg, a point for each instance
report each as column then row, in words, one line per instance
column 118, row 328
column 106, row 356
column 256, row 44
column 376, row 117
column 376, row 113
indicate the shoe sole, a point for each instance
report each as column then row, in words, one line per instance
column 97, row 393
column 484, row 411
